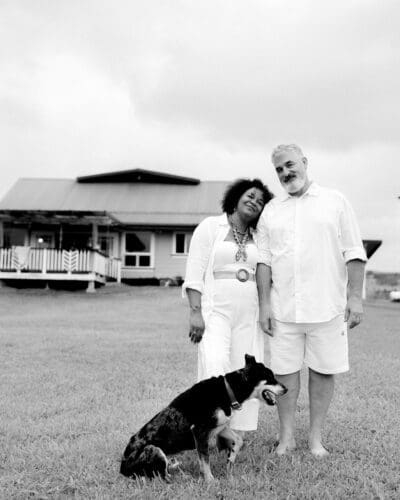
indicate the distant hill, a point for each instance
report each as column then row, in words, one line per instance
column 390, row 279
column 379, row 285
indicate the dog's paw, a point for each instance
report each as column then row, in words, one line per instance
column 209, row 478
column 173, row 464
column 230, row 466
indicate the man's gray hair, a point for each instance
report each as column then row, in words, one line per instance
column 283, row 148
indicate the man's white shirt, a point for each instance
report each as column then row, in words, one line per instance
column 307, row 242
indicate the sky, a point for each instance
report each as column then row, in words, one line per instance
column 206, row 89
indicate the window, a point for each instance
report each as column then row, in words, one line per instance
column 181, row 243
column 138, row 249
column 14, row 237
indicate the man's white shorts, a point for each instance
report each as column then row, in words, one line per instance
column 323, row 347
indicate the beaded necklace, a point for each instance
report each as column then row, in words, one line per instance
column 240, row 242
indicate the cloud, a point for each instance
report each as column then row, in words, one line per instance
column 253, row 72
column 206, row 89
column 319, row 76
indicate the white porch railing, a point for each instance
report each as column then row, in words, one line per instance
column 47, row 261
column 113, row 268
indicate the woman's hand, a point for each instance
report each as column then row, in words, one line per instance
column 196, row 326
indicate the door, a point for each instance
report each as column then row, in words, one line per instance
column 108, row 244
column 42, row 239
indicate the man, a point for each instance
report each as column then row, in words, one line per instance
column 310, row 279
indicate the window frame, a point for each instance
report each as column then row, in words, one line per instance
column 187, row 243
column 138, row 254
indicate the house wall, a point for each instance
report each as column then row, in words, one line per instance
column 165, row 263
column 16, row 234
column 168, row 265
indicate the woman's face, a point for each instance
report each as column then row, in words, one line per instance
column 250, row 204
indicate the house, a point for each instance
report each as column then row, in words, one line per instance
column 133, row 226
column 130, row 225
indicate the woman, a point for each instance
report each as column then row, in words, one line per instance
column 221, row 288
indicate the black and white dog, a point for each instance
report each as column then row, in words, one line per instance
column 194, row 417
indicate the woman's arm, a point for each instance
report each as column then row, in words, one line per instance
column 196, row 266
column 198, row 257
column 196, row 320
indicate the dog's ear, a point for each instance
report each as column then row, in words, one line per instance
column 250, row 360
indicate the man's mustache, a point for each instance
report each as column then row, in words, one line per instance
column 289, row 177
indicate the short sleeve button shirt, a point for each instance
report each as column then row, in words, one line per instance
column 307, row 241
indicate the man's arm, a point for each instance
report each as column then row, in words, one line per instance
column 354, row 308
column 263, row 278
column 354, row 255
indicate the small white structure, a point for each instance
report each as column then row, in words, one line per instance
column 395, row 295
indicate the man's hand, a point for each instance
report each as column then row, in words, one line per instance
column 265, row 320
column 354, row 312
column 196, row 326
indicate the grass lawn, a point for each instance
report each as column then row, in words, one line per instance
column 80, row 373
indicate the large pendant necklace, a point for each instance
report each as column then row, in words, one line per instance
column 241, row 240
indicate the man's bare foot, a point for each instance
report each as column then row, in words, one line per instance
column 283, row 447
column 318, row 451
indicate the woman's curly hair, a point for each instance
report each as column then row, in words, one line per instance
column 236, row 190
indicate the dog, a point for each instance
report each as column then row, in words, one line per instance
column 197, row 415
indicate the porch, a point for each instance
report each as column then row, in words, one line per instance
column 50, row 264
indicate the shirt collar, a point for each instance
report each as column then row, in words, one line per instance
column 313, row 190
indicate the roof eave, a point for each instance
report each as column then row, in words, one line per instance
column 138, row 175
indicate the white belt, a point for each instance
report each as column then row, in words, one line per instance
column 241, row 275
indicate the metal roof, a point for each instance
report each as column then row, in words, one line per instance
column 131, row 203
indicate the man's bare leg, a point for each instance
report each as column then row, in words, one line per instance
column 287, row 411
column 320, row 388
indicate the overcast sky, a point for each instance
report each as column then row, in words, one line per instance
column 206, row 88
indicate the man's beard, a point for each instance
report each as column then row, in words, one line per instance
column 294, row 185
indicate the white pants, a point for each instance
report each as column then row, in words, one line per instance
column 231, row 332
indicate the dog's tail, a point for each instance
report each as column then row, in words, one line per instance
column 131, row 454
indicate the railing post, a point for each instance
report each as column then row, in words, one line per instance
column 94, row 261
column 18, row 265
column 44, row 265
column 119, row 271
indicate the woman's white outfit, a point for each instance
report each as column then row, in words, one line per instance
column 229, row 307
